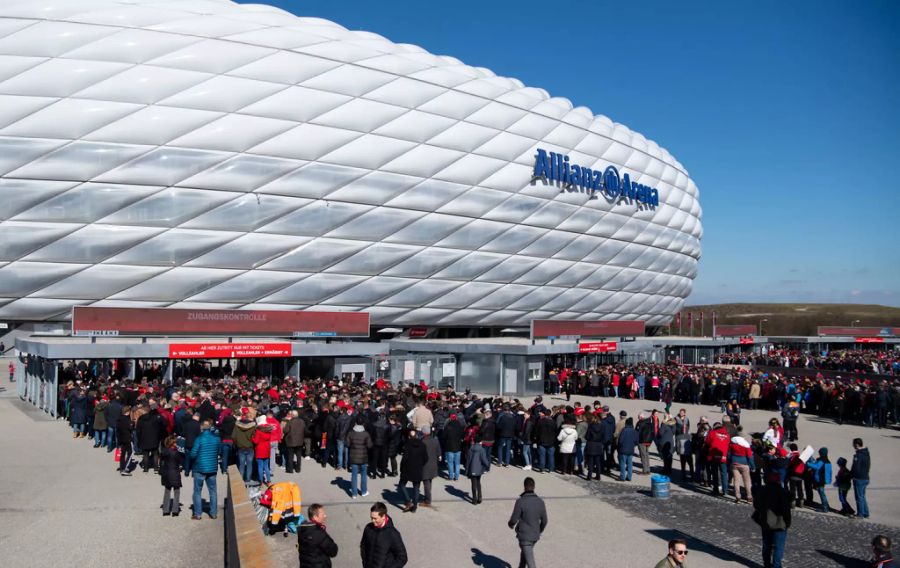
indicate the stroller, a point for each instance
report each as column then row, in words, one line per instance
column 280, row 508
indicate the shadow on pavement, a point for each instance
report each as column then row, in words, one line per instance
column 695, row 543
column 342, row 484
column 479, row 558
column 458, row 493
column 843, row 560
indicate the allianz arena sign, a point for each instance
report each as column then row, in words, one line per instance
column 552, row 166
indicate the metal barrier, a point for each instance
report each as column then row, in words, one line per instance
column 40, row 389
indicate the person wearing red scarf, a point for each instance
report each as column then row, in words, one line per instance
column 316, row 546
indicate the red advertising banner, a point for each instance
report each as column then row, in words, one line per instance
column 870, row 340
column 859, row 331
column 418, row 331
column 733, row 330
column 746, row 341
column 597, row 347
column 560, row 328
column 228, row 350
column 165, row 321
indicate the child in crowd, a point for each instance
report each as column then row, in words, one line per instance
column 842, row 482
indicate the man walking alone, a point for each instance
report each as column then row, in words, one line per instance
column 529, row 519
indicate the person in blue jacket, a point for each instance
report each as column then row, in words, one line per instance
column 820, row 472
column 205, row 466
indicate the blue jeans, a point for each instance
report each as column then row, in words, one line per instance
column 187, row 460
column 823, row 498
column 526, row 453
column 625, row 462
column 262, row 470
column 245, row 464
column 111, row 439
column 579, row 454
column 414, row 499
column 80, row 428
column 773, row 548
column 546, row 457
column 356, row 469
column 452, row 459
column 227, row 447
column 100, row 439
column 343, row 455
column 505, row 450
column 859, row 492
column 641, row 392
column 210, row 479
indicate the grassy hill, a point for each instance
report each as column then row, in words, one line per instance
column 794, row 319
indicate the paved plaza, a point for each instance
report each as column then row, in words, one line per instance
column 63, row 502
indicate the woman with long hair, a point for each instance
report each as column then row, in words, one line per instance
column 170, row 475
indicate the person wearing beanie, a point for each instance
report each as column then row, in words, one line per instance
column 842, row 480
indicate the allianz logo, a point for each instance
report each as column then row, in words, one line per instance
column 554, row 167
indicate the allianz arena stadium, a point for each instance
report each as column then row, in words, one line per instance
column 207, row 154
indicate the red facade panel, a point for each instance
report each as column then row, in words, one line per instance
column 164, row 321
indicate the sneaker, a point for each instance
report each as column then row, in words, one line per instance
column 526, row 468
column 366, row 494
column 196, row 517
column 306, row 457
column 213, row 517
column 353, row 496
column 125, row 474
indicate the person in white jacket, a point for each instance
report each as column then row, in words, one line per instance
column 567, row 437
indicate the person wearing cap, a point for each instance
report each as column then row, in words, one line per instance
column 452, row 436
column 262, row 448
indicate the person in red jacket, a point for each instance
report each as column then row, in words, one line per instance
column 275, row 437
column 262, row 448
column 796, row 470
column 717, row 442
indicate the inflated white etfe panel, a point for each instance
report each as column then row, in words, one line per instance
column 201, row 153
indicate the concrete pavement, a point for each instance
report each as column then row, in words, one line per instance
column 62, row 503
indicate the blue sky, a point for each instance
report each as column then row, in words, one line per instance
column 786, row 115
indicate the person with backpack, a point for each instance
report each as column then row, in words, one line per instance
column 819, row 474
column 772, row 512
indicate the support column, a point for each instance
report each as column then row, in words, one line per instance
column 132, row 369
column 170, row 372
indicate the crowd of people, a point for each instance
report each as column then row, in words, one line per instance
column 874, row 361
column 198, row 427
column 873, row 403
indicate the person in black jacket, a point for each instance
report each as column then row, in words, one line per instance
column 506, row 431
column 859, row 472
column 452, row 442
column 315, row 545
column 150, row 432
column 772, row 512
column 170, row 477
column 380, row 431
column 112, row 412
column 593, row 447
column 381, row 545
column 190, row 429
column 608, row 433
column 414, row 457
column 545, row 434
column 123, row 434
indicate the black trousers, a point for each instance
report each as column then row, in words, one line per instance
column 124, row 455
column 148, row 460
column 292, row 459
column 594, row 465
column 378, row 460
column 566, row 462
column 426, row 488
column 476, row 489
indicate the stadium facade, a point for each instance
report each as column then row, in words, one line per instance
column 207, row 154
